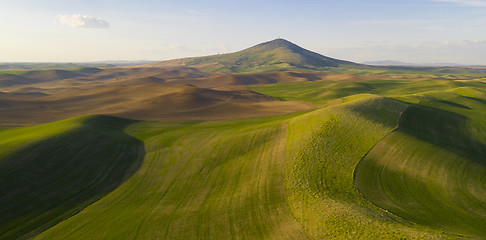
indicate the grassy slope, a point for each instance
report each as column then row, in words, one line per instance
column 323, row 150
column 271, row 178
column 220, row 180
column 276, row 55
column 43, row 66
column 434, row 177
column 24, row 77
column 321, row 92
column 50, row 172
column 215, row 180
column 431, row 170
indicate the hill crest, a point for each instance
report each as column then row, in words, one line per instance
column 275, row 55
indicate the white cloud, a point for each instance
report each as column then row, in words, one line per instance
column 83, row 21
column 474, row 3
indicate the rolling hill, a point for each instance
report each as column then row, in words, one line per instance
column 45, row 181
column 143, row 101
column 75, row 77
column 324, row 150
column 432, row 171
column 300, row 176
column 276, row 55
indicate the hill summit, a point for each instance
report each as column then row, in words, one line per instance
column 275, row 55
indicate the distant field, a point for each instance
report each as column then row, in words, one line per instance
column 61, row 65
column 322, row 92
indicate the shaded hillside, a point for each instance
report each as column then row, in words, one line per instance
column 11, row 78
column 320, row 92
column 431, row 169
column 288, row 177
column 247, row 79
column 83, row 76
column 389, row 154
column 210, row 180
column 151, row 101
column 276, row 55
column 49, row 173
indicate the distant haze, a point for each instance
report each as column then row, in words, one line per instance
column 412, row 31
column 398, row 63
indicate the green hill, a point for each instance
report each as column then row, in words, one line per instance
column 379, row 159
column 247, row 178
column 289, row 177
column 276, row 55
column 431, row 169
column 50, row 172
column 428, row 171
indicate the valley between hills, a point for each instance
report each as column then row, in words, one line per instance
column 271, row 142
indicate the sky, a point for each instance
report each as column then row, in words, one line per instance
column 427, row 31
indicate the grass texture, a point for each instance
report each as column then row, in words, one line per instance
column 49, row 173
column 432, row 169
column 382, row 160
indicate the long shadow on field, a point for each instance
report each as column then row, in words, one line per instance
column 479, row 100
column 452, row 104
column 403, row 191
column 48, row 182
column 380, row 110
column 444, row 129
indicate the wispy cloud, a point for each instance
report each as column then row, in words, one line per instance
column 474, row 3
column 83, row 21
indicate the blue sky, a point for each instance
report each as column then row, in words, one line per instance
column 86, row 30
